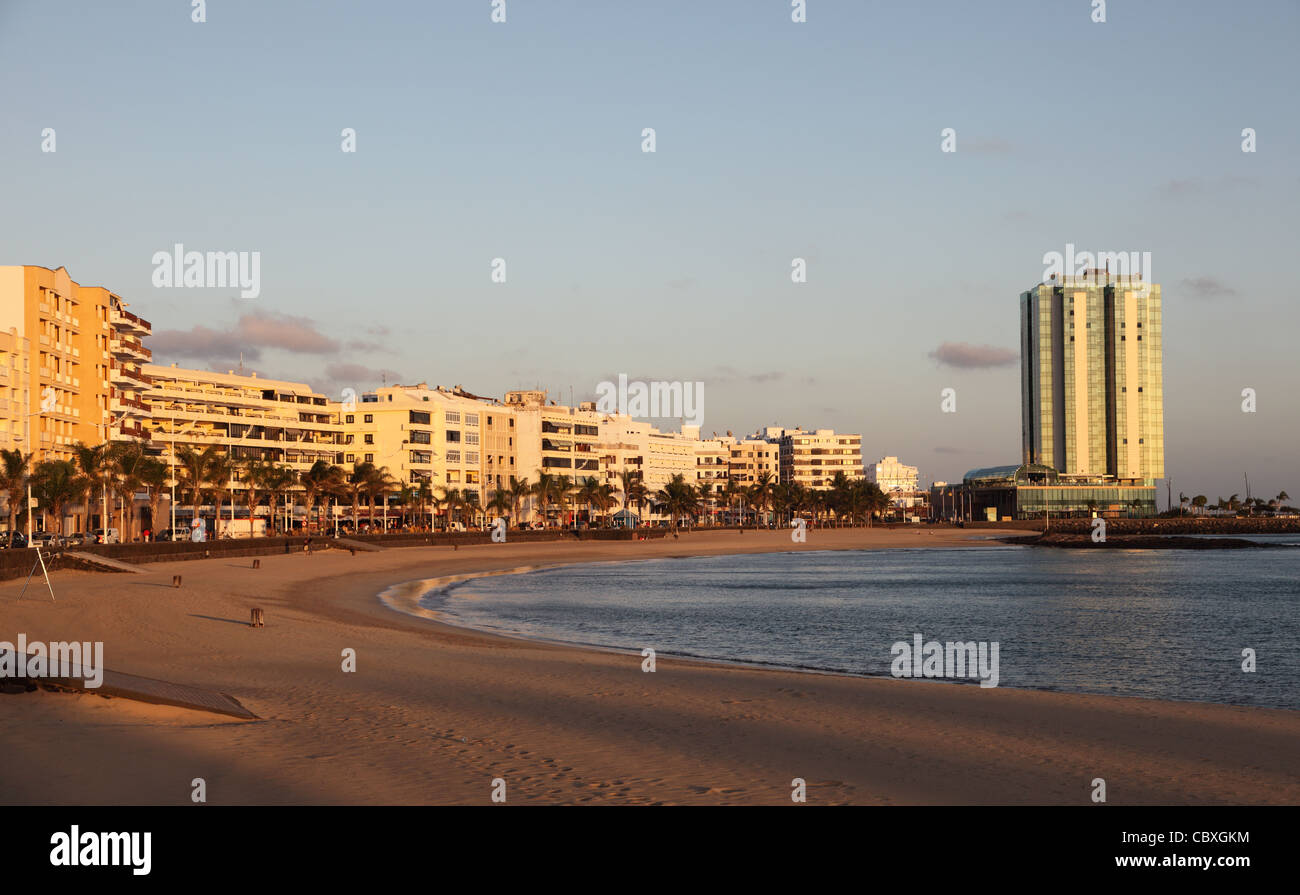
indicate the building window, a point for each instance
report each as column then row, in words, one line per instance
column 453, row 436
column 370, row 458
column 350, row 418
column 452, row 417
column 418, row 437
column 368, row 418
column 370, row 439
column 419, row 417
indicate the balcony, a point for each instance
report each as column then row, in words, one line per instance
column 126, row 320
column 121, row 375
column 129, row 406
column 129, row 348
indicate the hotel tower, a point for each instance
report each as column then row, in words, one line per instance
column 1092, row 395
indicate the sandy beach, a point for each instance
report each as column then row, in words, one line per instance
column 434, row 713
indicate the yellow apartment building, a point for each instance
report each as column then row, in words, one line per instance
column 448, row 438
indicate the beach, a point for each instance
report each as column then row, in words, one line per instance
column 434, row 714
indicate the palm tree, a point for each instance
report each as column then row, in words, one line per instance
column 252, row 473
column 322, row 478
column 453, row 500
column 424, row 499
column 604, row 500
column 548, row 490
column 760, row 494
column 473, row 506
column 91, row 463
column 193, row 472
column 153, row 477
column 501, row 502
column 519, row 491
column 126, row 460
column 279, row 481
column 13, row 480
column 588, row 493
column 633, row 489
column 221, row 479
column 678, row 499
column 732, row 492
column 377, row 484
column 353, row 486
column 55, row 484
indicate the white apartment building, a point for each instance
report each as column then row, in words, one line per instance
column 247, row 416
column 812, row 459
column 891, row 475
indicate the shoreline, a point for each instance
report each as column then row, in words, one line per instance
column 434, row 712
column 408, row 604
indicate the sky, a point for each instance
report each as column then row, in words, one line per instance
column 774, row 140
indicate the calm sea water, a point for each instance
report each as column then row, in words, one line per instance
column 1170, row 624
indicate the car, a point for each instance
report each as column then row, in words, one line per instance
column 79, row 539
column 47, row 539
column 113, row 536
column 176, row 534
column 14, row 540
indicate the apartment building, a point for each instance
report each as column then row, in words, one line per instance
column 247, row 416
column 15, row 361
column 752, row 458
column 84, row 379
column 712, row 467
column 891, row 475
column 812, row 459
column 447, row 438
column 555, row 439
column 628, row 444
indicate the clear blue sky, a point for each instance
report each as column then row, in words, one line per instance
column 775, row 140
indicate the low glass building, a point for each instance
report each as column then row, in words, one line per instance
column 1033, row 491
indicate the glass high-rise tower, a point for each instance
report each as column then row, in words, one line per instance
column 1092, row 385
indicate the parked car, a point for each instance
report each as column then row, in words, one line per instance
column 113, row 536
column 455, row 526
column 13, row 540
column 79, row 539
column 47, row 539
column 176, row 534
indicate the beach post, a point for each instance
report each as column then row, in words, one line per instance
column 258, row 619
column 257, row 564
column 176, row 581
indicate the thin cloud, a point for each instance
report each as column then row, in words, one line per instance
column 250, row 335
column 985, row 146
column 1192, row 187
column 1207, row 287
column 973, row 357
column 358, row 374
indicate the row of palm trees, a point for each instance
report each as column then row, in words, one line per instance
column 114, row 473
column 95, row 475
column 1234, row 504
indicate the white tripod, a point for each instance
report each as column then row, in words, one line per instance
column 40, row 561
